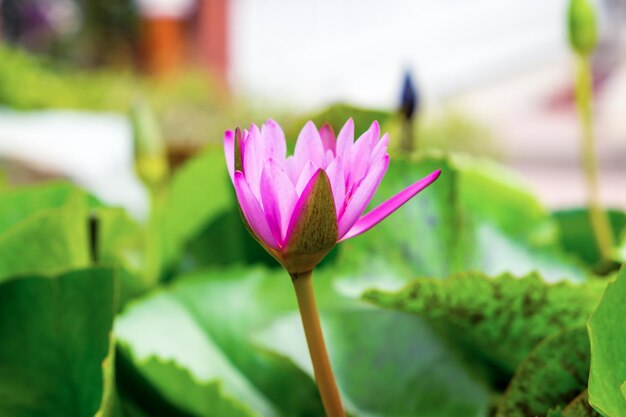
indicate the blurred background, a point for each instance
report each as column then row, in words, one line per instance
column 181, row 312
column 486, row 77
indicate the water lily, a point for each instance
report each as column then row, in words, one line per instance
column 299, row 206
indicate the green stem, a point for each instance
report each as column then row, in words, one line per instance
column 407, row 144
column 303, row 284
column 154, row 241
column 598, row 217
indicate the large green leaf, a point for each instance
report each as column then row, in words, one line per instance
column 225, row 241
column 552, row 374
column 607, row 331
column 199, row 192
column 55, row 356
column 109, row 403
column 19, row 203
column 201, row 326
column 120, row 241
column 577, row 235
column 580, row 407
column 621, row 249
column 476, row 216
column 208, row 324
column 386, row 364
column 48, row 241
column 172, row 353
column 423, row 234
column 504, row 317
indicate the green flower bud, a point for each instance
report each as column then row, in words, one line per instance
column 581, row 24
column 150, row 152
column 315, row 231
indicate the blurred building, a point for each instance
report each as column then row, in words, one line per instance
column 314, row 52
column 158, row 36
column 308, row 53
column 174, row 32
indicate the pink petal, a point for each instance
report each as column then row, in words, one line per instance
column 361, row 151
column 380, row 149
column 337, row 184
column 229, row 153
column 378, row 214
column 328, row 158
column 292, row 170
column 356, row 204
column 274, row 141
column 252, row 211
column 244, row 137
column 345, row 140
column 254, row 130
column 278, row 197
column 328, row 138
column 253, row 159
column 367, row 141
column 305, row 176
column 308, row 147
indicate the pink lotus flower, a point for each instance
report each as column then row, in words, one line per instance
column 299, row 207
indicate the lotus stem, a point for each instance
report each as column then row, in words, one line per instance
column 324, row 377
column 407, row 144
column 598, row 217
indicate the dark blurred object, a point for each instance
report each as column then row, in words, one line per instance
column 409, row 101
column 83, row 32
column 409, row 106
column 38, row 24
column 178, row 154
column 111, row 30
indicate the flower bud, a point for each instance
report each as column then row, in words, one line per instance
column 581, row 25
column 150, row 153
column 409, row 99
column 314, row 230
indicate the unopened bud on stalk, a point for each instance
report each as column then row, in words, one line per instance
column 581, row 25
column 150, row 152
column 409, row 106
column 409, row 100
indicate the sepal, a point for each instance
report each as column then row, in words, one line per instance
column 312, row 231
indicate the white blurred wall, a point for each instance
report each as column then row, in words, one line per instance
column 95, row 150
column 308, row 53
